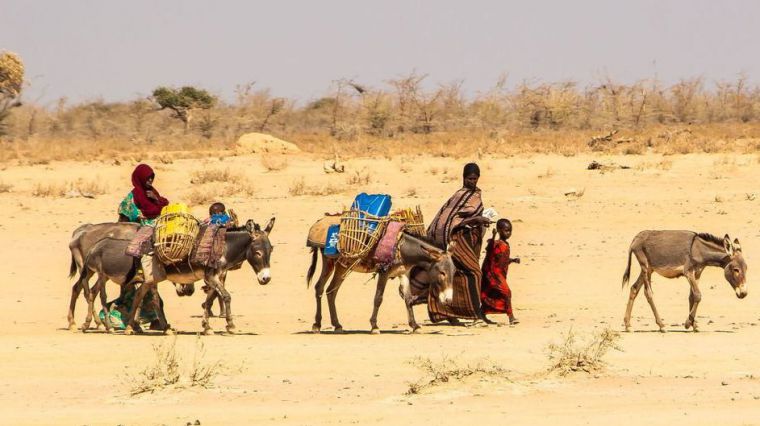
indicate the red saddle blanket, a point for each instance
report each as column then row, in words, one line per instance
column 141, row 243
column 209, row 247
column 385, row 251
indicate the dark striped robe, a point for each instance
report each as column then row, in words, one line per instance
column 465, row 244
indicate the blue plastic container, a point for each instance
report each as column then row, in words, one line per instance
column 331, row 243
column 374, row 204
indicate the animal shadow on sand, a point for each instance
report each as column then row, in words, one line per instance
column 354, row 332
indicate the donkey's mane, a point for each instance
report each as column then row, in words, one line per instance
column 424, row 239
column 711, row 238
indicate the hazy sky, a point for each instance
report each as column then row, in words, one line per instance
column 122, row 49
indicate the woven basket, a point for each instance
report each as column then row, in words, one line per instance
column 359, row 232
column 175, row 236
column 414, row 223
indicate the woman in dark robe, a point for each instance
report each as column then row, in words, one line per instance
column 459, row 226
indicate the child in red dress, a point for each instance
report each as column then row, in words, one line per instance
column 495, row 295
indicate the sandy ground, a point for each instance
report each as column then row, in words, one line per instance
column 573, row 253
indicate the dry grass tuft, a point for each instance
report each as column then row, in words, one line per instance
column 207, row 194
column 169, row 370
column 572, row 356
column 274, row 163
column 359, row 177
column 448, row 370
column 49, row 190
column 214, row 175
column 411, row 192
column 5, row 187
column 79, row 188
column 299, row 188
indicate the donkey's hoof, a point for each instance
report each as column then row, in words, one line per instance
column 109, row 330
column 375, row 330
column 662, row 330
column 129, row 331
column 231, row 329
column 627, row 328
column 208, row 332
column 338, row 330
column 169, row 331
column 73, row 327
column 416, row 329
column 316, row 329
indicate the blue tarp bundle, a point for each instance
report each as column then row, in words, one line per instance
column 375, row 204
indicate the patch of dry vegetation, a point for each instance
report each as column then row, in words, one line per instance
column 5, row 187
column 408, row 116
column 169, row 370
column 211, row 185
column 200, row 177
column 207, row 194
column 572, row 356
column 87, row 188
column 300, row 188
column 359, row 177
column 448, row 370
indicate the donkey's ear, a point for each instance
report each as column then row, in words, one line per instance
column 250, row 225
column 727, row 244
column 737, row 245
column 269, row 226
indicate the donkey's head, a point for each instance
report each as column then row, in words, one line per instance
column 260, row 250
column 441, row 274
column 736, row 268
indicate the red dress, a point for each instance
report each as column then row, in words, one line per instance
column 495, row 295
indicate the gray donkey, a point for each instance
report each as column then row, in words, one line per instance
column 82, row 240
column 107, row 258
column 412, row 251
column 674, row 254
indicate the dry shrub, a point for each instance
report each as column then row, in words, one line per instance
column 214, row 175
column 572, row 356
column 448, row 370
column 49, row 190
column 274, row 163
column 5, row 187
column 206, row 194
column 79, row 188
column 89, row 187
column 169, row 370
column 299, row 188
column 359, row 177
column 411, row 192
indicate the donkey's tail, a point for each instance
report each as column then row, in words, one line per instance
column 627, row 274
column 73, row 267
column 313, row 266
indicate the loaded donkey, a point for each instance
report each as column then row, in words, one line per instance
column 108, row 258
column 410, row 251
